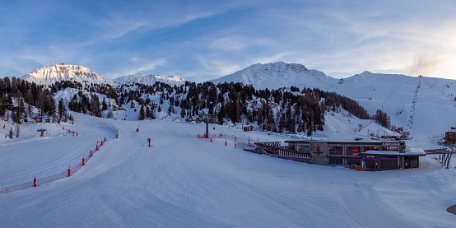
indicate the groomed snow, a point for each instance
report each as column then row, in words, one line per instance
column 183, row 181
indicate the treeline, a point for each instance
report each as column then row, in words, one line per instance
column 281, row 110
column 19, row 99
column 88, row 102
column 290, row 110
column 382, row 118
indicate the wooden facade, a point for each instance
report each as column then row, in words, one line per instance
column 450, row 137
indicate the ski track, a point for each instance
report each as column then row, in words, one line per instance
column 182, row 181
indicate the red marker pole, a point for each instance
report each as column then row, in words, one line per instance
column 69, row 171
column 83, row 161
column 34, row 182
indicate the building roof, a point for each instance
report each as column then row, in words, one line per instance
column 409, row 152
column 363, row 141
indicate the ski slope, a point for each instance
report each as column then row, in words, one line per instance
column 183, row 181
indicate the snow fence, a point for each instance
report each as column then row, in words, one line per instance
column 74, row 167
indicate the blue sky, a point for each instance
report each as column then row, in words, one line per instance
column 203, row 40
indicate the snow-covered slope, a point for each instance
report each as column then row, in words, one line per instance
column 277, row 75
column 195, row 183
column 149, row 79
column 63, row 72
column 420, row 105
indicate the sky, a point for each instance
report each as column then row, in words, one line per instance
column 204, row 40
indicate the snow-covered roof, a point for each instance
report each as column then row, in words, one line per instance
column 345, row 141
column 409, row 152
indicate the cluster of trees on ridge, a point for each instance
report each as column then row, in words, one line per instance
column 290, row 110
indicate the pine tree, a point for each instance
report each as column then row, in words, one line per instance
column 62, row 110
column 141, row 113
column 221, row 115
column 96, row 106
column 170, row 109
column 271, row 121
column 18, row 130
column 104, row 106
column 21, row 110
column 148, row 113
column 11, row 133
column 382, row 118
column 309, row 131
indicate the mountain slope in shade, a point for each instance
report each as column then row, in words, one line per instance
column 64, row 72
column 149, row 79
column 277, row 75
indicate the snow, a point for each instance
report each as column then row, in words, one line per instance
column 418, row 104
column 64, row 72
column 277, row 75
column 183, row 181
column 344, row 125
column 149, row 79
column 406, row 153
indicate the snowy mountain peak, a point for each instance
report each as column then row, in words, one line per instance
column 64, row 72
column 279, row 74
column 149, row 79
column 279, row 67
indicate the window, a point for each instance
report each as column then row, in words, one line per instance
column 336, row 150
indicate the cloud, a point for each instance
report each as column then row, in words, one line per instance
column 238, row 43
column 218, row 67
column 138, row 65
column 425, row 65
column 115, row 25
column 212, row 39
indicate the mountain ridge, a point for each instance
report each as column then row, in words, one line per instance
column 278, row 74
column 65, row 72
column 149, row 79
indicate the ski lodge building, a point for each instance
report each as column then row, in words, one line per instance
column 364, row 153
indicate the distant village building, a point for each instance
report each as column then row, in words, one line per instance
column 248, row 128
column 450, row 136
column 365, row 153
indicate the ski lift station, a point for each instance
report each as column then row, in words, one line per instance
column 366, row 154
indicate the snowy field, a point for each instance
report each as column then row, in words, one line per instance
column 183, row 181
